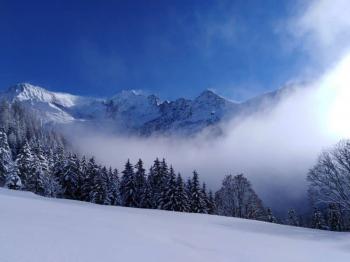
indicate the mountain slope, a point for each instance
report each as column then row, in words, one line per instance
column 41, row 229
column 132, row 112
column 50, row 106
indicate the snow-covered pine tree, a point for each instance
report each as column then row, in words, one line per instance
column 270, row 216
column 71, row 177
column 182, row 204
column 293, row 219
column 114, row 187
column 197, row 203
column 334, row 218
column 83, row 165
column 92, row 170
column 146, row 196
column 205, row 197
column 188, row 189
column 128, row 186
column 317, row 220
column 211, row 203
column 24, row 161
column 41, row 179
column 165, row 172
column 13, row 181
column 168, row 200
column 81, row 182
column 140, row 180
column 50, row 159
column 36, row 181
column 40, row 154
column 156, row 181
column 100, row 191
column 59, row 161
column 5, row 157
column 52, row 186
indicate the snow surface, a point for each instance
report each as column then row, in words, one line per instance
column 36, row 229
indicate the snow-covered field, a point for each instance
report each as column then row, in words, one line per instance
column 36, row 229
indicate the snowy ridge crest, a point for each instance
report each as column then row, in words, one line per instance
column 134, row 112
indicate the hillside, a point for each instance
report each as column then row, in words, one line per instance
column 41, row 229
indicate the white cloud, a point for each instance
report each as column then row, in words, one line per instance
column 322, row 28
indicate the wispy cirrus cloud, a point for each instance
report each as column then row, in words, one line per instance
column 225, row 30
column 213, row 27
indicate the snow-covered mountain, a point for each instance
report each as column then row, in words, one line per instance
column 131, row 111
column 50, row 106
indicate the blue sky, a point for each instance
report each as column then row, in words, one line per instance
column 171, row 48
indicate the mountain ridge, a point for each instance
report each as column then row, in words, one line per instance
column 131, row 111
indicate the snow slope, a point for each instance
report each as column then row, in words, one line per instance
column 36, row 229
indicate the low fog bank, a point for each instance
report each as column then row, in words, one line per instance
column 274, row 148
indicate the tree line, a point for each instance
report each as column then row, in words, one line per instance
column 55, row 173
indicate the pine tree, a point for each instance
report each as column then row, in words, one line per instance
column 270, row 217
column 24, row 161
column 81, row 179
column 114, row 187
column 182, row 204
column 100, row 193
column 83, row 165
column 70, row 177
column 293, row 219
column 188, row 189
column 88, row 178
column 40, row 155
column 168, row 199
column 39, row 177
column 156, row 181
column 13, row 181
column 36, row 180
column 334, row 218
column 140, row 180
column 317, row 221
column 59, row 161
column 128, row 186
column 205, row 198
column 5, row 157
column 146, row 196
column 211, row 203
column 50, row 159
column 197, row 203
column 164, row 171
